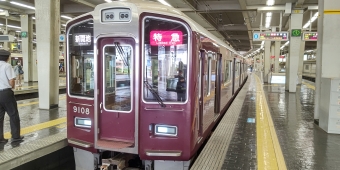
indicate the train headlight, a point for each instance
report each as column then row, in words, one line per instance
column 82, row 122
column 166, row 130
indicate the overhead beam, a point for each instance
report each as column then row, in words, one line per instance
column 84, row 3
column 279, row 7
column 299, row 3
column 13, row 9
column 220, row 11
column 247, row 20
column 233, row 28
column 219, row 5
column 238, row 37
column 75, row 8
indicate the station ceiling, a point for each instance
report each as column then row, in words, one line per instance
column 230, row 20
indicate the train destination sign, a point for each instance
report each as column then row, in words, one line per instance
column 270, row 36
column 310, row 36
column 166, row 38
column 82, row 39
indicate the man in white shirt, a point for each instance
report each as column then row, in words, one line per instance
column 8, row 102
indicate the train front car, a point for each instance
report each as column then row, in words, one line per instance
column 128, row 86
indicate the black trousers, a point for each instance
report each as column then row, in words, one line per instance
column 181, row 97
column 8, row 104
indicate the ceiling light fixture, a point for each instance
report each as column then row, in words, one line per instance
column 268, row 19
column 33, row 17
column 23, row 5
column 164, row 2
column 108, row 0
column 270, row 2
column 66, row 17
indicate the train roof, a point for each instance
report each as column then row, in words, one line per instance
column 156, row 7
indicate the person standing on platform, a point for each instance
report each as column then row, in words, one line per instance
column 18, row 72
column 181, row 89
column 7, row 99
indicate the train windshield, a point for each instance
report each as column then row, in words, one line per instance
column 165, row 60
column 81, row 59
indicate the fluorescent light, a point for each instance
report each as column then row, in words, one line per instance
column 66, row 17
column 164, row 2
column 33, row 17
column 23, row 5
column 268, row 19
column 108, row 0
column 12, row 26
column 270, row 2
column 311, row 20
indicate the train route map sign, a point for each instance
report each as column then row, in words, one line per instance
column 270, row 36
column 310, row 36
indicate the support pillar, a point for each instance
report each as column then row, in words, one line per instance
column 47, row 16
column 294, row 51
column 26, row 46
column 267, row 59
column 329, row 72
column 277, row 56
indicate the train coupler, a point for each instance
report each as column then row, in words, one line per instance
column 120, row 160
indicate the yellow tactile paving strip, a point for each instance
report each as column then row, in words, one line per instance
column 309, row 85
column 214, row 152
column 269, row 153
column 39, row 126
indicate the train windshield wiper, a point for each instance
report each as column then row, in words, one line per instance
column 154, row 93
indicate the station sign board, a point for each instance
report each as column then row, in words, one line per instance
column 310, row 36
column 270, row 36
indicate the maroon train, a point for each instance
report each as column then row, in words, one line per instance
column 145, row 85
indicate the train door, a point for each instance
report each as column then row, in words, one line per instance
column 233, row 74
column 201, row 90
column 218, row 85
column 116, row 118
column 240, row 75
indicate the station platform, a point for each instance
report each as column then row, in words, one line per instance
column 32, row 87
column 44, row 132
column 267, row 127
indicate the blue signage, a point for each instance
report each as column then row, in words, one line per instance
column 61, row 38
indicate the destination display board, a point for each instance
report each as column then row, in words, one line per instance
column 270, row 36
column 310, row 36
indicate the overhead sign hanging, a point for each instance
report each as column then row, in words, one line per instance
column 270, row 36
column 296, row 32
column 166, row 38
column 310, row 36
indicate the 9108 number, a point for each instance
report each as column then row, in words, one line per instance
column 81, row 110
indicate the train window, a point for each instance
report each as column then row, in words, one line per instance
column 165, row 60
column 227, row 73
column 117, row 78
column 81, row 58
